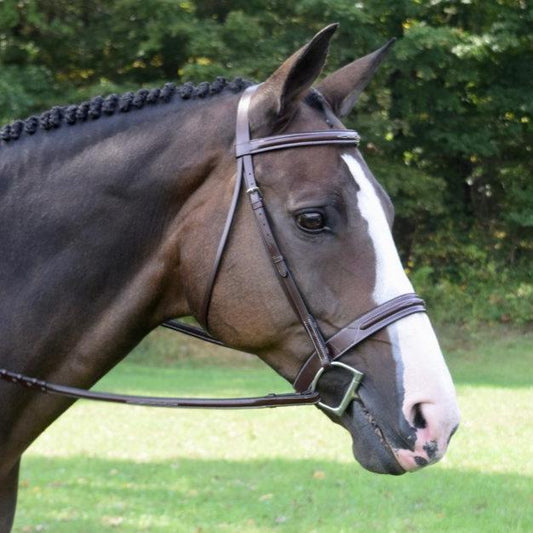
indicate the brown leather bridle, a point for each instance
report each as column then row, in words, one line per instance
column 326, row 354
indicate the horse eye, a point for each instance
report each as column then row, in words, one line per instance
column 311, row 221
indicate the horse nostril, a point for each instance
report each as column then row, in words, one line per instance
column 419, row 421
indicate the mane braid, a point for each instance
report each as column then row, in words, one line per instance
column 114, row 103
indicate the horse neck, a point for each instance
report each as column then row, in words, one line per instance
column 90, row 229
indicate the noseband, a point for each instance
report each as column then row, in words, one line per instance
column 327, row 353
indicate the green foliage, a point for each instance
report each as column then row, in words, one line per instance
column 21, row 88
column 447, row 124
column 483, row 295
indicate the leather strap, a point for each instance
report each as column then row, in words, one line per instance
column 296, row 140
column 244, row 150
column 192, row 331
column 204, row 313
column 270, row 400
column 357, row 331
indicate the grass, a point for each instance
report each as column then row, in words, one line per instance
column 131, row 469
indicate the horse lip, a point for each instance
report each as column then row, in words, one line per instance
column 366, row 434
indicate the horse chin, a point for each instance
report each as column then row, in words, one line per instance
column 369, row 447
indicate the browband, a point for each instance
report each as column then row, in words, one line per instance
column 296, row 140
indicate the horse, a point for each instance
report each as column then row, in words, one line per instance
column 111, row 214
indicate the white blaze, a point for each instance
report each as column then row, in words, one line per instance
column 426, row 379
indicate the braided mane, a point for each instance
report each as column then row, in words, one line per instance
column 114, row 103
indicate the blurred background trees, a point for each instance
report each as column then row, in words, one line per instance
column 447, row 124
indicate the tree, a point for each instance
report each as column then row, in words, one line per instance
column 447, row 125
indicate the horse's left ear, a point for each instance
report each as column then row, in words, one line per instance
column 277, row 99
column 342, row 88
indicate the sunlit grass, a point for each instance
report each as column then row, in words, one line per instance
column 133, row 469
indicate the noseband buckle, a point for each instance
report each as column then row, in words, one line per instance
column 350, row 393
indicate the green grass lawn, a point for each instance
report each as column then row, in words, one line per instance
column 133, row 469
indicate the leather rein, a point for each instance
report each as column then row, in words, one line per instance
column 326, row 353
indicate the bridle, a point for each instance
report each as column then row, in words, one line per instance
column 326, row 354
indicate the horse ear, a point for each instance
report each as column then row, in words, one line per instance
column 280, row 94
column 342, row 88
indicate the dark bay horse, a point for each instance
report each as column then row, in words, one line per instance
column 110, row 218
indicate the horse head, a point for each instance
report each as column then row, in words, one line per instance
column 333, row 222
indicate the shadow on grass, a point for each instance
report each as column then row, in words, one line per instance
column 91, row 495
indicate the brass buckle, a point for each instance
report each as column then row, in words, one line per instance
column 351, row 390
